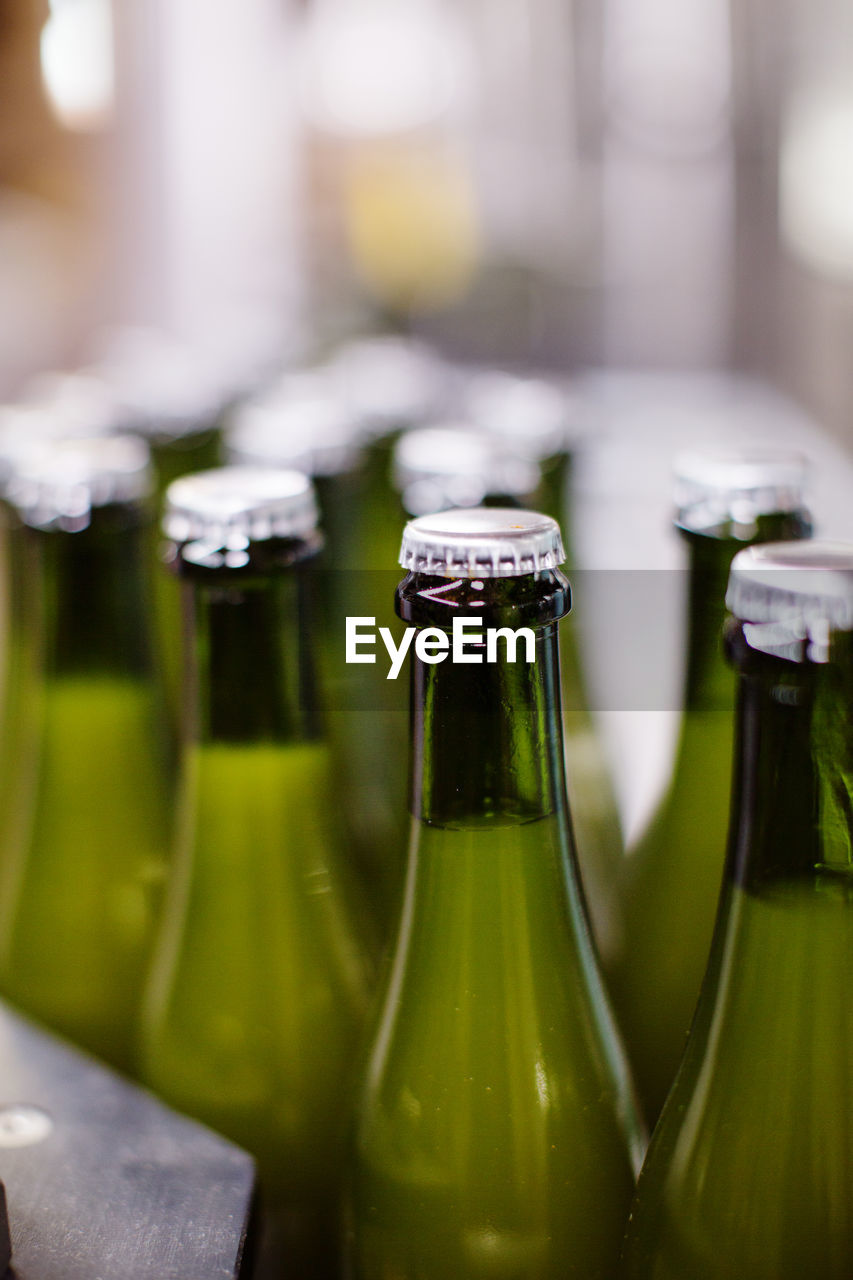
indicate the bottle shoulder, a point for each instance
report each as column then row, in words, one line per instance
column 735, row 1181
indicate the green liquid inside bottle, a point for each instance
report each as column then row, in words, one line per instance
column 80, row 896
column 486, row 1147
column 751, row 1173
column 258, row 992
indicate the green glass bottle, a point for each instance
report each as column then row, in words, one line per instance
column 748, row 1173
column 260, row 980
column 84, row 835
column 538, row 420
column 672, row 874
column 302, row 423
column 495, row 1129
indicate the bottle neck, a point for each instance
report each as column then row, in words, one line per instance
column 176, row 456
column 554, row 494
column 709, row 681
column 248, row 655
column 487, row 743
column 792, row 811
column 93, row 602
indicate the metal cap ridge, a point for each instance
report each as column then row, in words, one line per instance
column 57, row 483
column 713, row 488
column 482, row 542
column 790, row 596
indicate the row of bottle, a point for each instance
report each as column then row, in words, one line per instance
column 489, row 891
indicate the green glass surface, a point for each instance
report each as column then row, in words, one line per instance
column 261, row 974
column 490, row 1139
column 671, row 886
column 670, row 881
column 495, row 1128
column 81, row 888
column 259, row 989
column 748, row 1173
column 750, row 1176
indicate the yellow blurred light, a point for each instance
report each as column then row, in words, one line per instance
column 411, row 220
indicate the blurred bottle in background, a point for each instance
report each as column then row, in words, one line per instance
column 671, row 875
column 84, row 831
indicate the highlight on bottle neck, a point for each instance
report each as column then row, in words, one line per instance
column 726, row 494
column 217, row 518
column 793, row 599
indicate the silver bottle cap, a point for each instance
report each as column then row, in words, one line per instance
column 389, row 382
column 303, row 428
column 227, row 508
column 57, row 483
column 791, row 596
column 712, row 489
column 482, row 542
column 452, row 466
column 531, row 414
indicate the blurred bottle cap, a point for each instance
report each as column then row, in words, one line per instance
column 451, row 465
column 713, row 489
column 299, row 423
column 537, row 417
column 227, row 508
column 791, row 596
column 389, row 382
column 56, row 483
